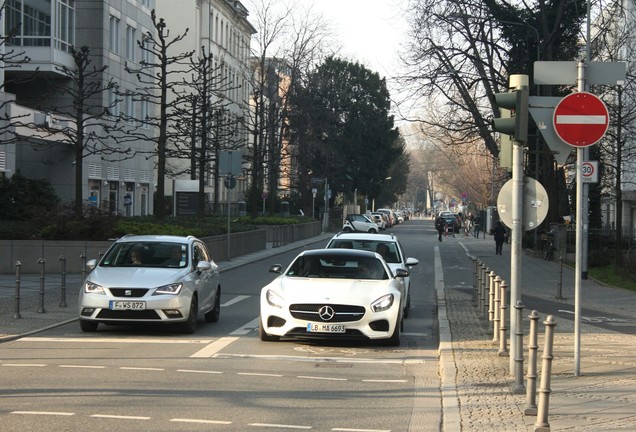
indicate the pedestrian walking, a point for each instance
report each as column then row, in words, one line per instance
column 477, row 226
column 499, row 231
column 439, row 226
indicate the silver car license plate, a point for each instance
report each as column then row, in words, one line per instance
column 126, row 305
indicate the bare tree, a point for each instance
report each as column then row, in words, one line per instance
column 159, row 74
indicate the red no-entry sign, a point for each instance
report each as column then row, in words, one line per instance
column 581, row 119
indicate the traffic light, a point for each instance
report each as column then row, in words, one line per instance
column 515, row 122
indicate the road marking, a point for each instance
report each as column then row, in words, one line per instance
column 122, row 417
column 601, row 319
column 321, row 378
column 235, row 300
column 259, row 374
column 221, row 422
column 384, row 381
column 279, row 426
column 415, row 334
column 198, row 371
column 247, row 328
column 319, row 359
column 118, row 341
column 214, row 347
column 82, row 367
column 140, row 368
column 51, row 413
column 24, row 364
column 359, row 430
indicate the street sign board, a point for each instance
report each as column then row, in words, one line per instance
column 566, row 72
column 535, row 203
column 589, row 172
column 541, row 109
column 581, row 119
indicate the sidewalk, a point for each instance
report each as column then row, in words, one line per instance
column 602, row 398
column 476, row 383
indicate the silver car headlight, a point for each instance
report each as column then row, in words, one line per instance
column 383, row 303
column 172, row 289
column 93, row 288
column 274, row 299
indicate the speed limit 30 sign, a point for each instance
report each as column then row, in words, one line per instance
column 589, row 172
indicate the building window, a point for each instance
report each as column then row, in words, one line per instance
column 113, row 102
column 145, row 111
column 130, row 109
column 65, row 24
column 114, row 34
column 30, row 24
column 146, row 52
column 130, row 43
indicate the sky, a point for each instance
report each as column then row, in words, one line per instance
column 369, row 31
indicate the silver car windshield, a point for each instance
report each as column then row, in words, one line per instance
column 389, row 250
column 146, row 254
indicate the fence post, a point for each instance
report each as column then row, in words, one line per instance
column 491, row 300
column 63, row 286
column 542, row 425
column 484, row 292
column 16, row 313
column 531, row 390
column 497, row 311
column 503, row 348
column 475, row 279
column 42, row 263
column 83, row 260
column 519, row 386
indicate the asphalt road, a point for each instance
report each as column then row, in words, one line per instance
column 223, row 377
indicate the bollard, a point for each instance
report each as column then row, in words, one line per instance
column 83, row 259
column 559, row 295
column 531, row 390
column 479, row 276
column 475, row 272
column 42, row 263
column 496, row 313
column 542, row 425
column 491, row 299
column 519, row 387
column 484, row 293
column 63, row 287
column 503, row 348
column 16, row 313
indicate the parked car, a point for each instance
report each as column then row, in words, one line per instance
column 359, row 222
column 390, row 214
column 388, row 246
column 151, row 279
column 380, row 220
column 334, row 294
column 451, row 220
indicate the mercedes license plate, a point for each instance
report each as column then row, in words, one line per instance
column 126, row 305
column 325, row 328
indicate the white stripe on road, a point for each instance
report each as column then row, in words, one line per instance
column 247, row 328
column 140, row 368
column 51, row 413
column 24, row 364
column 321, row 378
column 384, row 381
column 359, row 430
column 122, row 417
column 214, row 347
column 117, row 341
column 221, row 422
column 580, row 119
column 235, row 300
column 279, row 426
column 82, row 366
column 198, row 371
column 259, row 374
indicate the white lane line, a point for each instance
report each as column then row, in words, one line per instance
column 359, row 430
column 321, row 378
column 235, row 300
column 23, row 364
column 279, row 426
column 384, row 381
column 214, row 347
column 140, row 368
column 415, row 334
column 118, row 341
column 321, row 359
column 121, row 417
column 259, row 374
column 198, row 371
column 247, row 328
column 51, row 413
column 82, row 367
column 221, row 422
